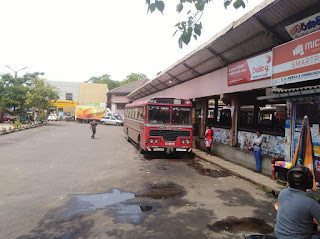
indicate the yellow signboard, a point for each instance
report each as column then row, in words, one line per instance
column 62, row 103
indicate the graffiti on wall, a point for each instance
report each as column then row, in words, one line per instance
column 273, row 146
column 221, row 135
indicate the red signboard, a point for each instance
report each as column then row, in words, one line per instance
column 297, row 61
column 251, row 69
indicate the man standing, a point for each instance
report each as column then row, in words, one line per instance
column 296, row 209
column 93, row 126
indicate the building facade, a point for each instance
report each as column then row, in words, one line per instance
column 240, row 81
column 72, row 94
column 91, row 93
column 117, row 98
column 68, row 97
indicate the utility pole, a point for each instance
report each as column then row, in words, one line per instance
column 16, row 72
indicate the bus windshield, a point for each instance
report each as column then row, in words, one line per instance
column 159, row 114
column 181, row 115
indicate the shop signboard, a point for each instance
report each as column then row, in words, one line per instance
column 297, row 61
column 304, row 26
column 62, row 103
column 251, row 69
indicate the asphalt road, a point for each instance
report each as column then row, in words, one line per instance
column 56, row 182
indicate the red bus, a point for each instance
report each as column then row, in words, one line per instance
column 160, row 124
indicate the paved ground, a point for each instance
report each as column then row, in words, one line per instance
column 55, row 182
column 247, row 174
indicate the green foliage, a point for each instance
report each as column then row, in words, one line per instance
column 192, row 26
column 106, row 79
column 133, row 77
column 16, row 124
column 25, row 92
column 40, row 95
column 14, row 91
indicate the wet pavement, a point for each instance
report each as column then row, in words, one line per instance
column 58, row 183
column 233, row 224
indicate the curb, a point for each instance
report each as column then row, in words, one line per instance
column 21, row 129
column 266, row 187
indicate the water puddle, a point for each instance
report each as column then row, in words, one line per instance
column 216, row 173
column 162, row 191
column 114, row 200
column 245, row 224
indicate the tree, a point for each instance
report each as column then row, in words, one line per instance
column 41, row 94
column 104, row 79
column 133, row 77
column 15, row 92
column 192, row 26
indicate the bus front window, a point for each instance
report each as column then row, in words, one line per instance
column 159, row 114
column 181, row 115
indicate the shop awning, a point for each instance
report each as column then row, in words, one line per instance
column 291, row 92
column 258, row 31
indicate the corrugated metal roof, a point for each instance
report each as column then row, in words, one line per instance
column 285, row 90
column 258, row 31
column 128, row 88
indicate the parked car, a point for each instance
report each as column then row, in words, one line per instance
column 53, row 117
column 69, row 118
column 111, row 120
column 8, row 118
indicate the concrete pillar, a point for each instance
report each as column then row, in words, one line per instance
column 204, row 108
column 234, row 123
column 216, row 108
column 255, row 115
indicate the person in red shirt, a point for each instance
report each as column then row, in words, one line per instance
column 208, row 139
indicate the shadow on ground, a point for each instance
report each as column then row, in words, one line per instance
column 190, row 224
column 61, row 229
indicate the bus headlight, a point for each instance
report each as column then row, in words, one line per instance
column 187, row 141
column 183, row 141
column 156, row 141
column 151, row 141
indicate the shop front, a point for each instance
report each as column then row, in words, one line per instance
column 60, row 107
column 296, row 78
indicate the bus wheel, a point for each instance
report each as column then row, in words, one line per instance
column 127, row 136
column 141, row 151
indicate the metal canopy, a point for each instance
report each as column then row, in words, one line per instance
column 258, row 31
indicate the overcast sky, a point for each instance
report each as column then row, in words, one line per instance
column 72, row 40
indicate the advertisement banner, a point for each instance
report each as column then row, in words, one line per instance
column 304, row 26
column 251, row 69
column 89, row 112
column 296, row 61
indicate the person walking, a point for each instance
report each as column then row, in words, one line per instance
column 208, row 138
column 257, row 142
column 93, row 126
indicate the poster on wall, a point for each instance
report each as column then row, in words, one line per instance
column 251, row 69
column 297, row 61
